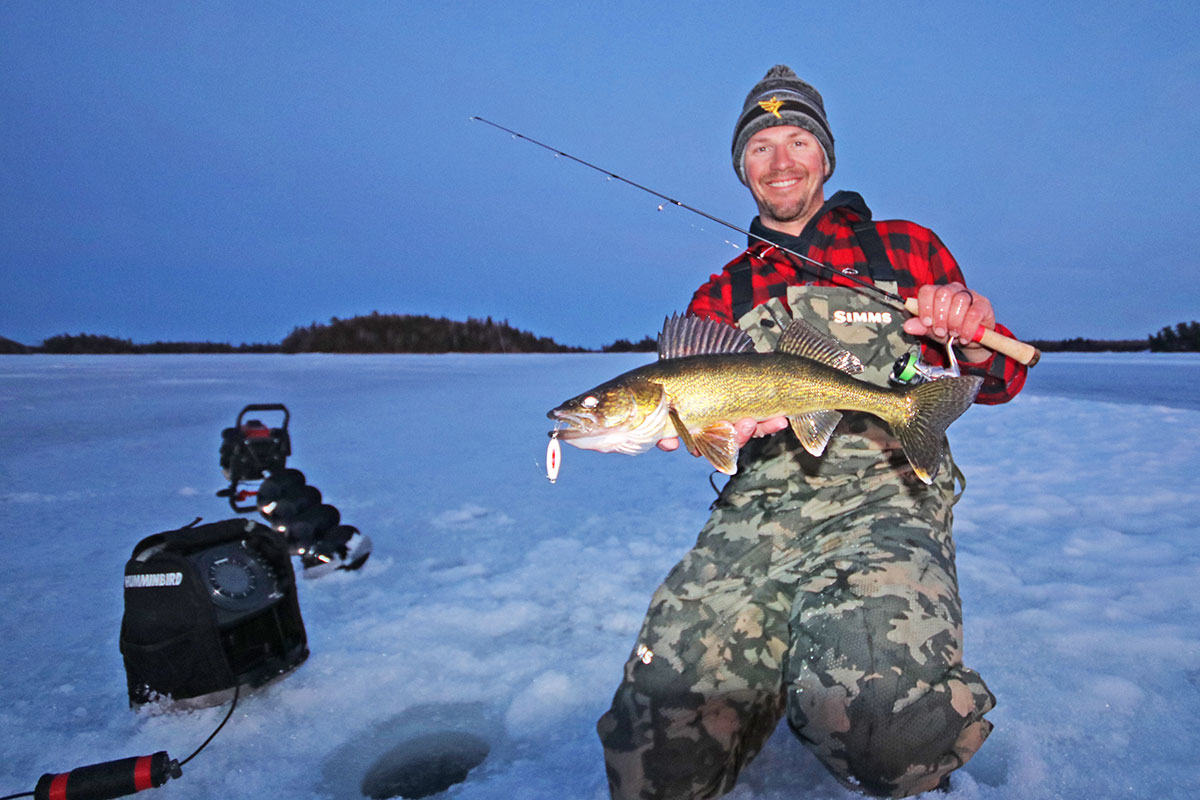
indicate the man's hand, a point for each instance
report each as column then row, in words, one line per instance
column 953, row 312
column 746, row 429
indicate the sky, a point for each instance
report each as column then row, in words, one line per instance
column 497, row 604
column 228, row 171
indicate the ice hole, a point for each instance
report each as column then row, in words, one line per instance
column 424, row 765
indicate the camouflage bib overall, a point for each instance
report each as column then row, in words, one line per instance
column 820, row 588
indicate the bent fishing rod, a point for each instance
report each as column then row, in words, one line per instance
column 1020, row 351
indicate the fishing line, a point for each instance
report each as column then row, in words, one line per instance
column 812, row 262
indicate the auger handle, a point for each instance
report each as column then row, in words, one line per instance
column 1027, row 354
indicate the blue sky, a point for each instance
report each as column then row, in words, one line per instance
column 228, row 171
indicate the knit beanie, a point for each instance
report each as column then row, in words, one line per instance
column 781, row 98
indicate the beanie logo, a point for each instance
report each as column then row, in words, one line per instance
column 772, row 106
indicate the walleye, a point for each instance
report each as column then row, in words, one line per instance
column 708, row 375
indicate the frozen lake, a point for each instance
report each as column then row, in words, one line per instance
column 499, row 603
column 1169, row 379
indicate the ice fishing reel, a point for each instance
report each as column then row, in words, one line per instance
column 909, row 369
column 250, row 450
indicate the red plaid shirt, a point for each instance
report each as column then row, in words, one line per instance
column 916, row 253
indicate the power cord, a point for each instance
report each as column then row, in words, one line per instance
column 111, row 779
column 213, row 735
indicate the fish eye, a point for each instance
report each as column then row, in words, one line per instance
column 589, row 402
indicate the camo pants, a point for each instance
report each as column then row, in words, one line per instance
column 831, row 598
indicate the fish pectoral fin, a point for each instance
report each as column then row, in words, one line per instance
column 814, row 429
column 718, row 443
column 682, row 432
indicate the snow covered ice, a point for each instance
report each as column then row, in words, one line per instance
column 499, row 604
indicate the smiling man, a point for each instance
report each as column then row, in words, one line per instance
column 823, row 588
column 785, row 168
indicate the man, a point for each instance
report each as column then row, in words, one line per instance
column 821, row 589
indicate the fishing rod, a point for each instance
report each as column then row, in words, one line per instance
column 1025, row 353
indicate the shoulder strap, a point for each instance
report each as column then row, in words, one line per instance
column 879, row 265
column 741, row 289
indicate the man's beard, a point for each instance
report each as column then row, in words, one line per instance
column 785, row 211
column 790, row 212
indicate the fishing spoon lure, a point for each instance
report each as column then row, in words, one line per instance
column 553, row 456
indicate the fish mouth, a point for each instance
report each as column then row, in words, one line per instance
column 571, row 424
column 588, row 430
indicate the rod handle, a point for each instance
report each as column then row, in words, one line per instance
column 1027, row 354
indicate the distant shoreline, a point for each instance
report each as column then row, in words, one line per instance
column 189, row 348
column 377, row 333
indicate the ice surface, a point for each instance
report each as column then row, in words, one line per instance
column 499, row 604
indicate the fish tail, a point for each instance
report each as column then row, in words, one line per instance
column 931, row 408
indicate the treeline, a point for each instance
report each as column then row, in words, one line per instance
column 92, row 344
column 1081, row 345
column 373, row 333
column 646, row 345
column 407, row 333
column 1183, row 338
column 8, row 347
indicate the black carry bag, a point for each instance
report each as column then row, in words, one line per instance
column 207, row 608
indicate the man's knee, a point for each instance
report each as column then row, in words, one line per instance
column 665, row 739
column 887, row 736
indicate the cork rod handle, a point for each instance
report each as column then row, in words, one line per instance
column 1027, row 354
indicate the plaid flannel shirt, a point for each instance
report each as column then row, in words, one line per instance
column 916, row 253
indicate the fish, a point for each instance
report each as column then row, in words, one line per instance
column 708, row 375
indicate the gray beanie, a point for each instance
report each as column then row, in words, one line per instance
column 781, row 98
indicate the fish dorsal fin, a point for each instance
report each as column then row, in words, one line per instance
column 802, row 339
column 696, row 336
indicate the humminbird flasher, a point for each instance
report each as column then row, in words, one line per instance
column 209, row 608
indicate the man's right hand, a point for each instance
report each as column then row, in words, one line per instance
column 746, row 429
